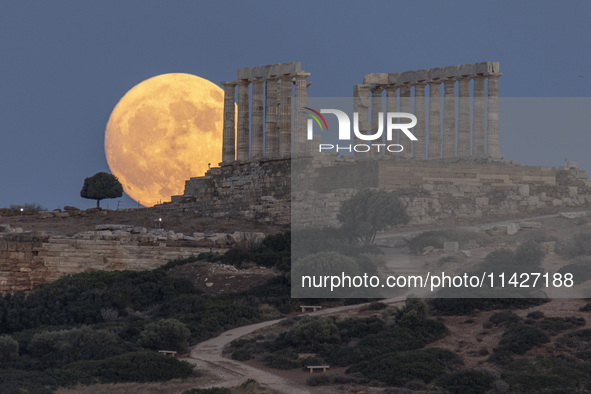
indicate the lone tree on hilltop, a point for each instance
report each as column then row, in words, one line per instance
column 100, row 186
column 370, row 211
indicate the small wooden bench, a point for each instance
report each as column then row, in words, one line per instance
column 170, row 353
column 322, row 367
column 312, row 308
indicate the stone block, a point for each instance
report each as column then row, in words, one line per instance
column 530, row 225
column 512, row 228
column 573, row 215
column 451, row 247
column 523, row 190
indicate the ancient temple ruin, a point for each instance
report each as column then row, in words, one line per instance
column 266, row 130
column 453, row 170
column 479, row 137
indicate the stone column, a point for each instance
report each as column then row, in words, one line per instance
column 449, row 118
column 420, row 146
column 376, row 108
column 271, row 117
column 492, row 118
column 405, row 106
column 464, row 117
column 361, row 103
column 391, row 106
column 243, row 144
column 478, row 140
column 229, row 134
column 285, row 116
column 434, row 120
column 256, row 146
column 301, row 143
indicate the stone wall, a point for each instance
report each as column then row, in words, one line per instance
column 442, row 189
column 250, row 189
column 431, row 190
column 29, row 259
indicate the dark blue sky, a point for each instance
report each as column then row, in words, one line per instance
column 65, row 64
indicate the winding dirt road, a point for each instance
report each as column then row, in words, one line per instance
column 207, row 355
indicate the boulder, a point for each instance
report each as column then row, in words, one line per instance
column 451, row 247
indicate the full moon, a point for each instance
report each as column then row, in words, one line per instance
column 164, row 131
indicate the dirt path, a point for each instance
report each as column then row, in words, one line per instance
column 207, row 355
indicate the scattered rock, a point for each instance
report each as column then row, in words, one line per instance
column 512, row 228
column 69, row 208
column 451, row 247
column 500, row 229
column 573, row 215
column 548, row 247
column 530, row 225
column 120, row 227
column 466, row 253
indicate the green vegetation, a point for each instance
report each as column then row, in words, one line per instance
column 370, row 211
column 106, row 326
column 100, row 186
column 165, row 334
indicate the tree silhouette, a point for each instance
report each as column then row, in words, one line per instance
column 370, row 211
column 100, row 186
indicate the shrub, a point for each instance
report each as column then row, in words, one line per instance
column 282, row 360
column 425, row 365
column 519, row 339
column 310, row 332
column 425, row 239
column 318, row 380
column 55, row 348
column 536, row 315
column 211, row 390
column 504, row 318
column 554, row 325
column 579, row 245
column 376, row 306
column 370, row 211
column 241, row 355
column 8, row 349
column 529, row 254
column 466, row 381
column 144, row 366
column 165, row 334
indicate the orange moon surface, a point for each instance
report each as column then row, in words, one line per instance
column 164, row 131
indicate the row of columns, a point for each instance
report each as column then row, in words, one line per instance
column 484, row 129
column 266, row 130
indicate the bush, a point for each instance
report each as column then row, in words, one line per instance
column 466, row 381
column 282, row 360
column 8, row 349
column 580, row 245
column 211, row 390
column 165, row 334
column 241, row 355
column 425, row 239
column 536, row 315
column 504, row 318
column 310, row 332
column 318, row 380
column 529, row 254
column 519, row 339
column 375, row 306
column 56, row 348
column 554, row 325
column 144, row 366
column 425, row 365
column 370, row 211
